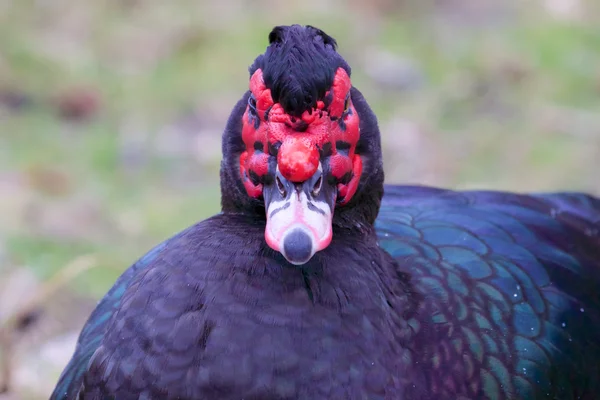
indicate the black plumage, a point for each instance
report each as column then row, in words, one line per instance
column 299, row 66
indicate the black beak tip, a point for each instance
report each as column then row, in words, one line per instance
column 297, row 247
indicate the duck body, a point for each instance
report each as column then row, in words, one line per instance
column 311, row 284
column 494, row 276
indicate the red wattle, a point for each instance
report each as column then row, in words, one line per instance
column 297, row 159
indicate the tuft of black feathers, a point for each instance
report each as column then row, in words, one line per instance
column 299, row 66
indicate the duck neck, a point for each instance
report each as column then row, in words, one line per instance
column 360, row 214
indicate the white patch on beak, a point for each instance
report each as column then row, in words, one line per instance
column 298, row 227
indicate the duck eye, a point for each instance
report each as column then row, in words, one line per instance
column 280, row 187
column 252, row 104
column 347, row 103
column 317, row 187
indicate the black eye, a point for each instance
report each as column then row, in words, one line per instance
column 347, row 103
column 280, row 187
column 252, row 104
column 317, row 187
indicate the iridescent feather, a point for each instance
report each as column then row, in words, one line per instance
column 511, row 285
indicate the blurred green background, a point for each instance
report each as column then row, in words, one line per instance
column 111, row 114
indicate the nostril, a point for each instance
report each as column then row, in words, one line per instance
column 280, row 187
column 317, row 187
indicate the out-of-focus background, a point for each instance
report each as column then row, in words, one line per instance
column 111, row 114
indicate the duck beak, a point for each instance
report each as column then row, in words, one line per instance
column 299, row 216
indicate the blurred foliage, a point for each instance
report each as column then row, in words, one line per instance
column 111, row 111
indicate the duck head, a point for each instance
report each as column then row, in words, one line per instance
column 302, row 147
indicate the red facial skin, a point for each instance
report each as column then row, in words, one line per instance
column 298, row 155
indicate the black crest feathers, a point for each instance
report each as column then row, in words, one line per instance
column 298, row 66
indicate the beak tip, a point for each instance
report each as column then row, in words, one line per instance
column 297, row 247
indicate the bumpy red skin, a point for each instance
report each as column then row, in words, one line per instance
column 298, row 155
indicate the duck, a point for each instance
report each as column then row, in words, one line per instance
column 318, row 281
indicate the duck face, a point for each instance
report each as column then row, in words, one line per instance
column 300, row 148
